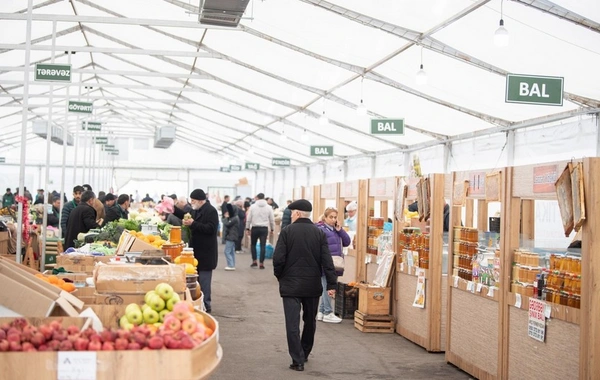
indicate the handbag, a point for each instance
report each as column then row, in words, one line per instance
column 338, row 263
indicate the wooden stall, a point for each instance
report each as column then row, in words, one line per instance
column 326, row 196
column 474, row 317
column 424, row 326
column 356, row 190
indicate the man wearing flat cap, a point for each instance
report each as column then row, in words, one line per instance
column 301, row 254
column 204, row 225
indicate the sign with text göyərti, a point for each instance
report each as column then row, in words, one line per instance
column 387, row 126
column 531, row 89
column 281, row 162
column 321, row 150
column 252, row 166
column 94, row 126
column 52, row 73
column 80, row 107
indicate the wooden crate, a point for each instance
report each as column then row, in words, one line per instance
column 374, row 323
column 373, row 300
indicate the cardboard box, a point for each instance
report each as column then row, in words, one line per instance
column 129, row 243
column 4, row 247
column 122, row 298
column 373, row 300
column 4, row 236
column 137, row 279
column 83, row 260
column 197, row 363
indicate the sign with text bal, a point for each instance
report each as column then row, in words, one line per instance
column 387, row 126
column 321, row 150
column 235, row 168
column 280, row 162
column 530, row 89
column 225, row 169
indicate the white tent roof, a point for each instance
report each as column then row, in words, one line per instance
column 149, row 64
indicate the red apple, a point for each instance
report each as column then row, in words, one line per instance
column 187, row 343
column 173, row 344
column 81, row 344
column 14, row 337
column 95, row 345
column 121, row 344
column 56, row 325
column 108, row 335
column 4, row 345
column 108, row 346
column 37, row 339
column 172, row 323
column 43, row 347
column 46, row 331
column 133, row 346
column 59, row 335
column 19, row 323
column 13, row 330
column 72, row 330
column 198, row 336
column 181, row 311
column 4, row 327
column 53, row 345
column 15, row 346
column 65, row 345
column 156, row 342
column 88, row 332
column 189, row 325
column 2, row 334
column 124, row 334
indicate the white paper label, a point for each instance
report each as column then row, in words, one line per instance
column 547, row 311
column 490, row 292
column 401, row 267
column 518, row 301
column 456, row 281
column 470, row 286
column 479, row 286
column 76, row 365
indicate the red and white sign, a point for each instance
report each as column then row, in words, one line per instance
column 544, row 178
column 537, row 320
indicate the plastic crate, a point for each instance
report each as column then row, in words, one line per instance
column 346, row 301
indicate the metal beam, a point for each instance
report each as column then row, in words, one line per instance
column 6, row 69
column 562, row 13
column 96, row 49
column 112, row 20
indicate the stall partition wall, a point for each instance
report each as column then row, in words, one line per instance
column 425, row 327
column 474, row 319
column 353, row 191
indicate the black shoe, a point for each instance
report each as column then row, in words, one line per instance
column 254, row 265
column 297, row 367
column 305, row 358
column 262, row 266
column 209, row 311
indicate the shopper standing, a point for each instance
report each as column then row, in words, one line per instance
column 223, row 212
column 242, row 224
column 258, row 222
column 68, row 207
column 231, row 226
column 81, row 219
column 8, row 199
column 54, row 216
column 204, row 226
column 120, row 211
column 350, row 221
column 336, row 239
column 300, row 256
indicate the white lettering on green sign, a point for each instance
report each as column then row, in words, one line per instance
column 52, row 72
column 281, row 162
column 252, row 166
column 387, row 126
column 317, row 151
column 81, row 107
column 235, row 168
column 225, row 169
column 531, row 89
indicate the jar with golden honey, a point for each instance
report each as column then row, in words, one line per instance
column 175, row 235
column 187, row 256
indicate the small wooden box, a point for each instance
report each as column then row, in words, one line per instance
column 373, row 300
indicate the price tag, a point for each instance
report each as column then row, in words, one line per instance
column 479, row 286
column 402, row 267
column 470, row 286
column 456, row 281
column 76, row 365
column 518, row 301
column 490, row 292
column 547, row 311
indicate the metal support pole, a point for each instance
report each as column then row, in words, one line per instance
column 64, row 157
column 345, row 168
column 373, row 167
column 48, row 147
column 447, row 151
column 24, row 130
column 77, row 128
column 407, row 164
column 510, row 148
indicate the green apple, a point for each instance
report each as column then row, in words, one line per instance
column 124, row 323
column 151, row 316
column 163, row 313
column 158, row 324
column 172, row 301
column 144, row 307
column 148, row 295
column 156, row 303
column 165, row 291
column 132, row 306
column 134, row 316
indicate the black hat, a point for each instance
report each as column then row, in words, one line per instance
column 230, row 210
column 301, row 205
column 109, row 197
column 198, row 195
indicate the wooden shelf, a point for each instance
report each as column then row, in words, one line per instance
column 410, row 271
column 461, row 284
column 560, row 312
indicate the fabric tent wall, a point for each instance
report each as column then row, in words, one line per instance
column 389, row 165
column 334, row 172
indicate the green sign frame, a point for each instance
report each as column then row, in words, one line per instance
column 321, row 150
column 387, row 126
column 281, row 161
column 534, row 89
column 225, row 169
column 2, row 160
column 252, row 166
column 50, row 72
column 94, row 126
column 235, row 168
column 80, row 107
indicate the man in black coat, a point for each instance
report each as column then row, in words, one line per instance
column 118, row 211
column 68, row 207
column 204, row 226
column 301, row 255
column 81, row 219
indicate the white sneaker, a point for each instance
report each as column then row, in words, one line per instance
column 319, row 316
column 331, row 318
column 229, row 268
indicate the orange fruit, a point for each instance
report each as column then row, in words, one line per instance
column 60, row 282
column 53, row 279
column 69, row 287
column 209, row 331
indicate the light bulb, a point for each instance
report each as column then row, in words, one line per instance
column 501, row 36
column 361, row 110
column 421, row 78
column 282, row 137
column 304, row 136
column 323, row 120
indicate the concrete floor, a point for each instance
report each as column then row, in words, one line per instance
column 247, row 305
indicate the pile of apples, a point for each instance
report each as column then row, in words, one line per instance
column 157, row 304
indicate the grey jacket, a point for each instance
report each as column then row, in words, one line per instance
column 260, row 215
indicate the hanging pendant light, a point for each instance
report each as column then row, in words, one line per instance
column 501, row 36
column 304, row 136
column 323, row 120
column 421, row 77
column 361, row 110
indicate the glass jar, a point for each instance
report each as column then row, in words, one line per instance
column 187, row 256
column 175, row 235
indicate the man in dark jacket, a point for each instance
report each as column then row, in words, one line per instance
column 8, row 199
column 118, row 211
column 301, row 254
column 54, row 216
column 242, row 219
column 81, row 219
column 223, row 211
column 68, row 207
column 204, row 226
column 231, row 227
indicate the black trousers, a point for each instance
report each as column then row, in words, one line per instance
column 255, row 234
column 299, row 347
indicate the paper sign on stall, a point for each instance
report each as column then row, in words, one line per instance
column 76, row 365
column 420, row 294
column 537, row 321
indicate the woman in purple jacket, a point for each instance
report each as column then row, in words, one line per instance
column 336, row 238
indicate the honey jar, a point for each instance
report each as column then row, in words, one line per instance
column 175, row 235
column 187, row 256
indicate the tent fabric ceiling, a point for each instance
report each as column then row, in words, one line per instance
column 146, row 64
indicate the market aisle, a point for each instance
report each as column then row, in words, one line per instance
column 247, row 305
